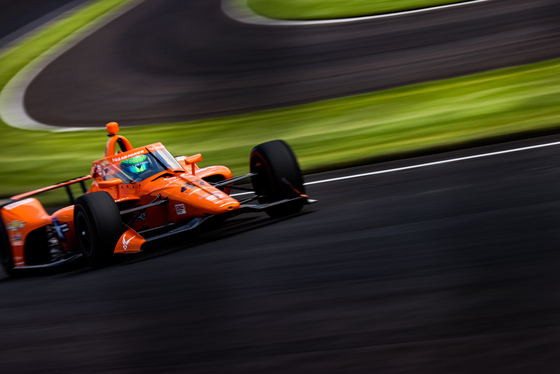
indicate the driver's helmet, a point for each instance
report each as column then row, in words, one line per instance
column 136, row 165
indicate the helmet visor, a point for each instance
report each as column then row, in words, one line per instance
column 136, row 164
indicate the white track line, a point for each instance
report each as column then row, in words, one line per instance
column 241, row 12
column 428, row 164
column 12, row 108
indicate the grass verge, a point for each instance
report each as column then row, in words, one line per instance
column 324, row 134
column 330, row 9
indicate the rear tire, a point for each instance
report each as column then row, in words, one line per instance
column 98, row 225
column 275, row 164
column 6, row 258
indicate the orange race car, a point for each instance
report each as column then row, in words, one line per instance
column 141, row 195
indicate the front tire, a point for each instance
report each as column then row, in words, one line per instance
column 277, row 175
column 98, row 226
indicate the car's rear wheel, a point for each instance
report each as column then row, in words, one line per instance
column 6, row 258
column 98, row 225
column 278, row 177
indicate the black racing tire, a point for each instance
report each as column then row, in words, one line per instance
column 98, row 226
column 274, row 163
column 6, row 258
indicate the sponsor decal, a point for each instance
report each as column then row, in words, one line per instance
column 60, row 229
column 187, row 187
column 158, row 147
column 126, row 157
column 104, row 163
column 195, row 191
column 99, row 170
column 16, row 237
column 15, row 225
column 126, row 242
column 17, row 243
column 198, row 183
column 213, row 196
column 180, row 209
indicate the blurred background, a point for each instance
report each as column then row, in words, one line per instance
column 451, row 266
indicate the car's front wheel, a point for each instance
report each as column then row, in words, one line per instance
column 278, row 177
column 98, row 226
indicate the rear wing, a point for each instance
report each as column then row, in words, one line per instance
column 65, row 184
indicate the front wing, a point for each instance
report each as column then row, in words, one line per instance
column 133, row 242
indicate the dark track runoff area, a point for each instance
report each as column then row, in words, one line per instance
column 453, row 268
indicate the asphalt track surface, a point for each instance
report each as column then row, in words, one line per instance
column 452, row 268
column 178, row 60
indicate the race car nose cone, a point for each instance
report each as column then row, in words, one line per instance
column 231, row 205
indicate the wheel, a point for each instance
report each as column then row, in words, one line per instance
column 275, row 164
column 6, row 258
column 98, row 226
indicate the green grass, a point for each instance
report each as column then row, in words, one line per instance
column 328, row 9
column 325, row 134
